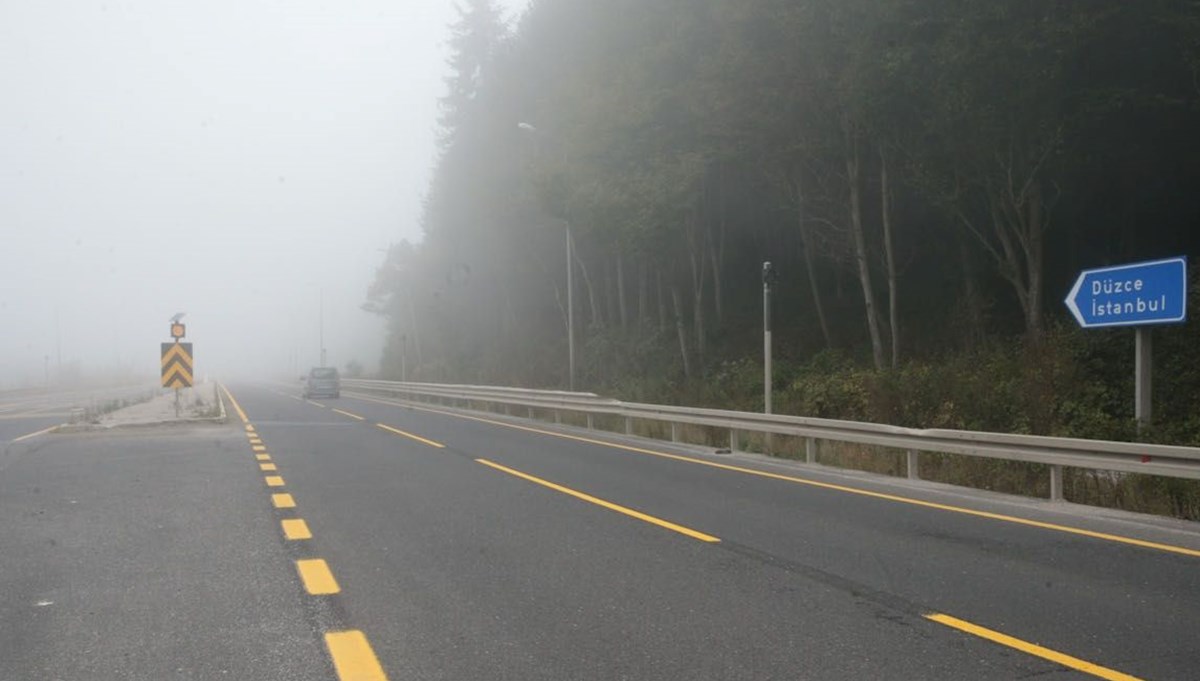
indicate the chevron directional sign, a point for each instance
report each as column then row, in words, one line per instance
column 177, row 365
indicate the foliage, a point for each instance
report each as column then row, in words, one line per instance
column 684, row 142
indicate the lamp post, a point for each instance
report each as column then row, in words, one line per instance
column 768, row 276
column 530, row 128
column 321, row 322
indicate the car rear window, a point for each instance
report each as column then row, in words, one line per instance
column 324, row 373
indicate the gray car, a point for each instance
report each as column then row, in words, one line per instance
column 323, row 382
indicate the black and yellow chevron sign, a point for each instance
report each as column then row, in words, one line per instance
column 177, row 365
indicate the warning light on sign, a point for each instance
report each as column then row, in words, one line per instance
column 178, row 330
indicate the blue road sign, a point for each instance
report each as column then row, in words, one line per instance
column 1140, row 294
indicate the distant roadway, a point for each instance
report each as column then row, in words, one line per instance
column 358, row 538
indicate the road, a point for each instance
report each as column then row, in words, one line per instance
column 355, row 538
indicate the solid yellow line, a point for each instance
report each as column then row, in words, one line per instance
column 353, row 658
column 606, row 504
column 317, row 578
column 274, row 481
column 1170, row 548
column 43, row 431
column 1030, row 648
column 418, row 438
column 237, row 407
column 353, row 416
column 283, row 501
column 267, row 467
column 295, row 528
column 263, row 457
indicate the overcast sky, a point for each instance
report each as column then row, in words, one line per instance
column 234, row 160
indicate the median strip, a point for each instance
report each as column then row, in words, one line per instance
column 1030, row 648
column 604, row 504
column 418, row 438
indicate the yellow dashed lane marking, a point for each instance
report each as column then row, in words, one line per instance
column 605, row 504
column 353, row 658
column 353, row 416
column 295, row 528
column 258, row 448
column 267, row 467
column 1054, row 527
column 315, row 404
column 317, row 578
column 1030, row 648
column 418, row 438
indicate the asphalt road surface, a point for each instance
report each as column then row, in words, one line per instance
column 355, row 538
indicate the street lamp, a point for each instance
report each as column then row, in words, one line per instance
column 530, row 128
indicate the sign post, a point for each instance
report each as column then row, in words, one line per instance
column 1141, row 295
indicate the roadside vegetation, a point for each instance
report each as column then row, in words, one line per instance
column 927, row 178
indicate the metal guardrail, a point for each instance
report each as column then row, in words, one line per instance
column 1056, row 452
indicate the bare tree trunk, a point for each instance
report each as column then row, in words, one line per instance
column 885, row 203
column 610, row 291
column 416, row 330
column 662, row 306
column 643, row 302
column 1034, row 257
column 972, row 298
column 697, row 261
column 716, row 253
column 853, row 178
column 679, row 331
column 621, row 292
column 806, row 241
column 587, row 281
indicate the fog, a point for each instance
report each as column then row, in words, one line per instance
column 246, row 163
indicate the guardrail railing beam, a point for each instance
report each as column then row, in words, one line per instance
column 1121, row 457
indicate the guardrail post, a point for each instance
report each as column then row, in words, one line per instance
column 810, row 450
column 914, row 470
column 733, row 440
column 674, row 432
column 628, row 425
column 557, row 416
column 590, row 422
column 1056, row 483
